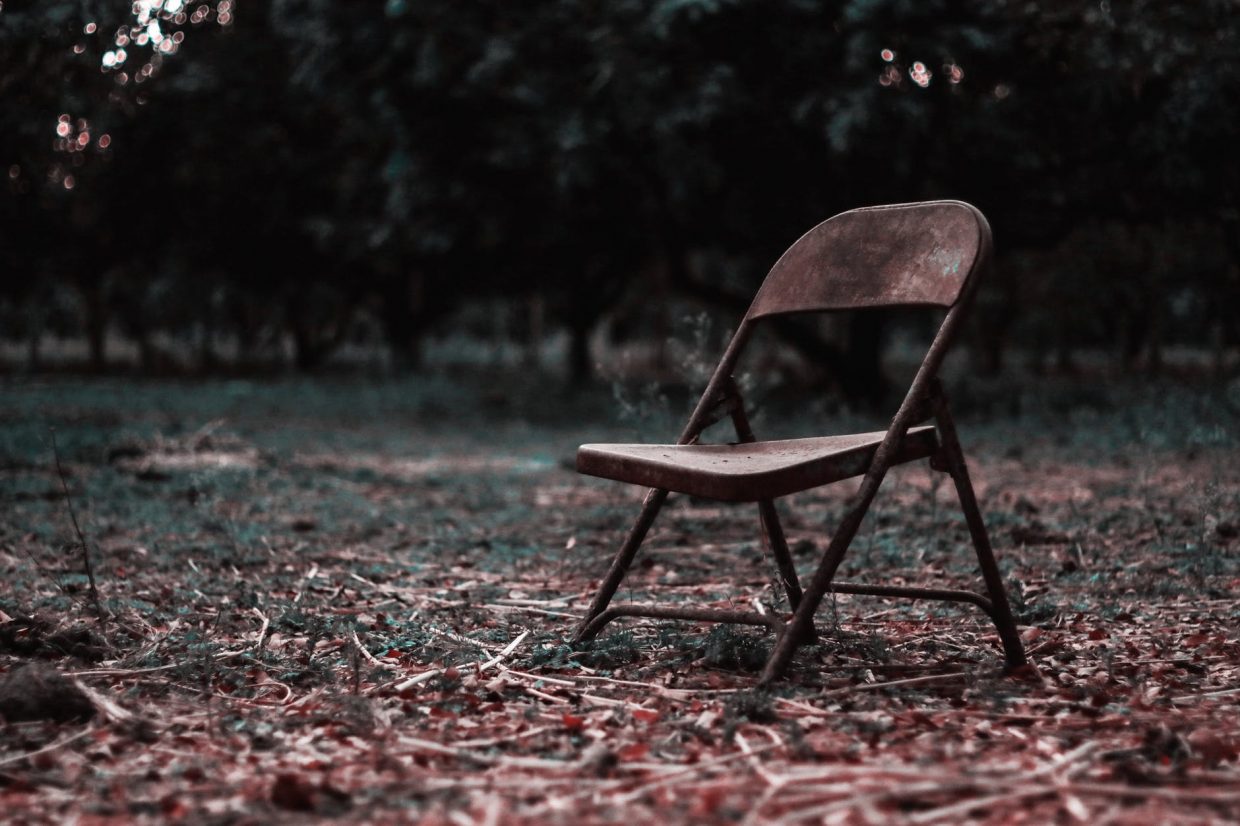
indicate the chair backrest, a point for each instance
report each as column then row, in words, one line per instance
column 887, row 256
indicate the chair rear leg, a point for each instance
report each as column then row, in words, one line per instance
column 1005, row 623
column 802, row 623
column 953, row 457
column 651, row 506
column 773, row 532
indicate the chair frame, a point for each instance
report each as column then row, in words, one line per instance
column 925, row 400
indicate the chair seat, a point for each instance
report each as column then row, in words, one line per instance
column 747, row 472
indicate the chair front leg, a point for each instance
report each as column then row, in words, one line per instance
column 651, row 505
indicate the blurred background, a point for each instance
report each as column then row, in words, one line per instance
column 593, row 190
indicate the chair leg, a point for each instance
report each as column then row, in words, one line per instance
column 1005, row 623
column 651, row 506
column 773, row 532
column 803, row 619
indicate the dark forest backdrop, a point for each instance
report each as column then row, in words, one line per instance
column 251, row 178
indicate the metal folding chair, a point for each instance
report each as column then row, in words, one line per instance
column 923, row 254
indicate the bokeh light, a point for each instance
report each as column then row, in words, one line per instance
column 920, row 74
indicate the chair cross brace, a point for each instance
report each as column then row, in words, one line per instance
column 773, row 621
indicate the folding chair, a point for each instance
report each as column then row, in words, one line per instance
column 922, row 254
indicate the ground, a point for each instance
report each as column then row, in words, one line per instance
column 351, row 598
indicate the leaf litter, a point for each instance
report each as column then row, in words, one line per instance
column 372, row 626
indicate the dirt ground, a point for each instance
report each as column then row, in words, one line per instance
column 351, row 599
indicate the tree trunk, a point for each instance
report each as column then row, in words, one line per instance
column 536, row 308
column 147, row 361
column 402, row 324
column 246, row 330
column 306, row 354
column 861, row 377
column 96, row 327
column 206, row 353
column 580, row 365
column 34, row 353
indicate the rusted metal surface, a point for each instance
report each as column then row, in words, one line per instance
column 908, row 254
column 900, row 255
column 747, row 472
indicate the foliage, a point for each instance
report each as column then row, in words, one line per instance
column 282, row 170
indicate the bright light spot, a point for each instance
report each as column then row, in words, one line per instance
column 70, row 182
column 153, row 31
column 89, row 28
column 105, row 140
column 173, row 6
column 920, row 74
column 144, row 10
column 887, row 55
column 113, row 59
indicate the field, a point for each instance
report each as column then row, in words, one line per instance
column 350, row 598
